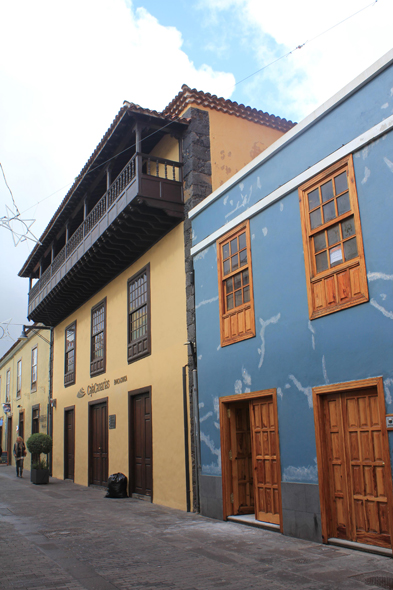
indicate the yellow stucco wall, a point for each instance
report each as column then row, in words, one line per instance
column 168, row 148
column 234, row 142
column 28, row 398
column 162, row 370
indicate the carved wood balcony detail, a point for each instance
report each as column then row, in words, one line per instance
column 145, row 180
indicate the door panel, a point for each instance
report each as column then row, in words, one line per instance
column 69, row 444
column 355, row 456
column 141, row 446
column 99, row 444
column 241, row 459
column 9, row 440
column 266, row 474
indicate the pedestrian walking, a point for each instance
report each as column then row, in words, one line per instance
column 19, row 454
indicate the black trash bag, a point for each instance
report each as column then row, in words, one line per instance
column 117, row 486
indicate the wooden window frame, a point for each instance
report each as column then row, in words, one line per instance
column 345, row 284
column 97, row 367
column 70, row 376
column 33, row 409
column 239, row 323
column 144, row 342
column 8, row 386
column 33, row 386
column 336, row 388
column 18, row 379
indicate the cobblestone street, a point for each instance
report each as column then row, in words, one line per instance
column 65, row 536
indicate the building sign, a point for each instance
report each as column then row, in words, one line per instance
column 120, row 380
column 94, row 388
column 112, row 421
column 6, row 408
column 1, row 421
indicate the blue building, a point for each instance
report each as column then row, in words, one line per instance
column 294, row 322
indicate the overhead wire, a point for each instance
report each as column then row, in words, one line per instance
column 287, row 54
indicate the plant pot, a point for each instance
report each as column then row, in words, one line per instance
column 39, row 476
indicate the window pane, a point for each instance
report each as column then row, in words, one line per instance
column 348, row 227
column 229, row 285
column 227, row 267
column 245, row 277
column 350, row 249
column 341, row 183
column 243, row 257
column 329, row 211
column 333, row 234
column 238, row 298
column 225, row 251
column 237, row 279
column 319, row 242
column 313, row 199
column 343, row 204
column 335, row 255
column 242, row 241
column 229, row 302
column 321, row 260
column 235, row 262
column 315, row 218
column 327, row 191
column 234, row 246
column 246, row 294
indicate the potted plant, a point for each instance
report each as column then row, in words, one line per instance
column 37, row 444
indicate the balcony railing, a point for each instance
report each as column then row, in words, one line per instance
column 148, row 165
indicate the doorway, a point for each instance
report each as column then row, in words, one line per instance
column 353, row 452
column 69, row 442
column 21, row 431
column 251, row 473
column 9, row 440
column 140, row 444
column 98, row 443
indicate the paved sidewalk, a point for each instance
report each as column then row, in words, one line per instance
column 65, row 536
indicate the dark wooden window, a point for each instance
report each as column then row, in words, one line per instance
column 21, row 431
column 19, row 379
column 139, row 338
column 7, row 385
column 236, row 298
column 98, row 339
column 35, row 419
column 34, row 363
column 332, row 240
column 69, row 354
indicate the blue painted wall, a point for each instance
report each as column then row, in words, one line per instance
column 289, row 352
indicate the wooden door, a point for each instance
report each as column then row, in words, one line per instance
column 98, row 444
column 9, row 440
column 21, row 431
column 358, row 495
column 141, row 445
column 241, row 458
column 69, row 444
column 265, row 460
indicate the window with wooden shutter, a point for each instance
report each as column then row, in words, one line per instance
column 236, row 298
column 139, row 340
column 332, row 239
column 98, row 339
column 69, row 354
column 34, row 366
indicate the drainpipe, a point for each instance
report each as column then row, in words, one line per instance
column 50, row 406
column 188, row 492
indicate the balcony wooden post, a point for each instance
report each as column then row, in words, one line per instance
column 30, row 283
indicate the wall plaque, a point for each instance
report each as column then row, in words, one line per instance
column 112, row 421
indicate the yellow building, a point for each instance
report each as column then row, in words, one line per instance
column 25, row 391
column 112, row 275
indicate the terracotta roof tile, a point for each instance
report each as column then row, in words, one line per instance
column 188, row 96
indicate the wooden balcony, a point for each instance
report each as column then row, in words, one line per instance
column 143, row 204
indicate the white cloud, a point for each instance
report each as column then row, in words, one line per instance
column 65, row 71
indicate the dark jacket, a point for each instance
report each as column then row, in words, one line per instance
column 19, row 450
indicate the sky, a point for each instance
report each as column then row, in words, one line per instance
column 67, row 67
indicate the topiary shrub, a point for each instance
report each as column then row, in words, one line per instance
column 39, row 443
